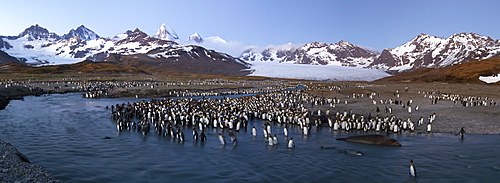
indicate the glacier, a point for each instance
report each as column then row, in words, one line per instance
column 315, row 72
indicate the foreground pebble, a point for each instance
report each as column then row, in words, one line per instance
column 15, row 167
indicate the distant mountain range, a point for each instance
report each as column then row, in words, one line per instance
column 38, row 46
column 422, row 51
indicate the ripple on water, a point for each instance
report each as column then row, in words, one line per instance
column 82, row 155
column 497, row 168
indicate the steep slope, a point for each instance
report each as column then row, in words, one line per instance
column 4, row 44
column 195, row 38
column 460, row 73
column 341, row 53
column 430, row 51
column 185, row 60
column 5, row 58
column 35, row 32
column 82, row 32
column 166, row 33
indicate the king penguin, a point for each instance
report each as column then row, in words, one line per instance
column 254, row 131
column 413, row 171
column 290, row 143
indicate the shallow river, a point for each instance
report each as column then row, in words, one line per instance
column 65, row 135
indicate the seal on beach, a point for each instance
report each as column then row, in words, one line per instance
column 372, row 139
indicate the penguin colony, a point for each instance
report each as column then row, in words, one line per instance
column 101, row 89
column 169, row 117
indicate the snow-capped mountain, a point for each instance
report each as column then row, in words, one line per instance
column 36, row 45
column 82, row 32
column 269, row 53
column 150, row 50
column 431, row 51
column 341, row 53
column 35, row 32
column 166, row 33
column 422, row 51
column 195, row 38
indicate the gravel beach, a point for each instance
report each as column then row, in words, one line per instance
column 15, row 167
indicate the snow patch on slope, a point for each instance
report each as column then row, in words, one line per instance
column 490, row 79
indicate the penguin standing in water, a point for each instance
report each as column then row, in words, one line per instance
column 429, row 128
column 462, row 133
column 275, row 140
column 195, row 134
column 285, row 131
column 290, row 143
column 234, row 141
column 265, row 132
column 413, row 171
column 254, row 131
column 203, row 137
column 180, row 135
column 270, row 140
column 221, row 139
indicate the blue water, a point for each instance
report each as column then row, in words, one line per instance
column 65, row 135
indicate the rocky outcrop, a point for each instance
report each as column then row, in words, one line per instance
column 12, row 92
column 16, row 167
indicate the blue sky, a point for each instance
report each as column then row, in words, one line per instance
column 377, row 24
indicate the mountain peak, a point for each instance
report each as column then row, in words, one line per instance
column 195, row 38
column 36, row 32
column 166, row 33
column 344, row 43
column 82, row 32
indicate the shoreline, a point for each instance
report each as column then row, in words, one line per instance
column 16, row 167
column 450, row 117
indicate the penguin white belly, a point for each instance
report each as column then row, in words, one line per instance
column 413, row 172
column 221, row 140
column 290, row 143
